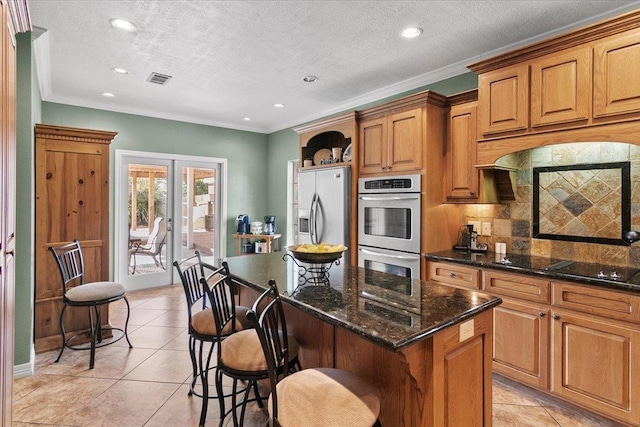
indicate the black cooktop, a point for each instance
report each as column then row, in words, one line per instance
column 573, row 268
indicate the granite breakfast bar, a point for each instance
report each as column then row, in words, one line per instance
column 426, row 346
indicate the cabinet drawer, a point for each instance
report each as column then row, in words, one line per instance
column 454, row 274
column 616, row 305
column 518, row 286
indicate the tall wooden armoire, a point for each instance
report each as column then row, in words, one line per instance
column 72, row 202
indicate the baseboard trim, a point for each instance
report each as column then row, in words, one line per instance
column 24, row 370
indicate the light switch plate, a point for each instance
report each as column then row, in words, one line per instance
column 486, row 229
column 466, row 330
column 476, row 226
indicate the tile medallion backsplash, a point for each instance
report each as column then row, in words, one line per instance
column 582, row 203
column 590, row 212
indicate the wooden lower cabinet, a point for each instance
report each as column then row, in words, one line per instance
column 521, row 342
column 595, row 364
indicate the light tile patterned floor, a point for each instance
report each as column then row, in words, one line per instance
column 148, row 385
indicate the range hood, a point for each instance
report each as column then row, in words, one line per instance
column 497, row 183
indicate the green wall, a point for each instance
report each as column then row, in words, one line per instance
column 283, row 146
column 27, row 112
column 245, row 151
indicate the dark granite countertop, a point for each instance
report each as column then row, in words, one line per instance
column 552, row 268
column 365, row 302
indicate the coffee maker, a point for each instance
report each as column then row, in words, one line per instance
column 270, row 224
column 243, row 224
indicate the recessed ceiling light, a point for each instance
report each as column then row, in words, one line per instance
column 108, row 95
column 123, row 25
column 310, row 79
column 246, row 119
column 119, row 70
column 411, row 32
column 278, row 105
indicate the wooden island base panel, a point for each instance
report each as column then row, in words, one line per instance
column 432, row 367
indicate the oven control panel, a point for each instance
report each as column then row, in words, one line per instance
column 399, row 184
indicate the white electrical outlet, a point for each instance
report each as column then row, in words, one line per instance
column 486, row 229
column 476, row 226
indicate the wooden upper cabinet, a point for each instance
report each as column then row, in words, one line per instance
column 504, row 99
column 461, row 152
column 392, row 143
column 404, row 141
column 561, row 87
column 373, row 143
column 324, row 135
column 616, row 66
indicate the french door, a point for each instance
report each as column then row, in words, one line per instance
column 167, row 207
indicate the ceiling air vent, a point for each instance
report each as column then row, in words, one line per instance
column 159, row 79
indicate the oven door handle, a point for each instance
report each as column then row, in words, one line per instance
column 385, row 198
column 369, row 252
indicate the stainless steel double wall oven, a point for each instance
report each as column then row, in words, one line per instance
column 389, row 231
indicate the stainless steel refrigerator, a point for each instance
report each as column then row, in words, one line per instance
column 324, row 205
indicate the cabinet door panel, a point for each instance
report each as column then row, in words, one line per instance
column 462, row 175
column 372, row 146
column 593, row 363
column 504, row 99
column 405, row 141
column 616, row 65
column 521, row 342
column 560, row 87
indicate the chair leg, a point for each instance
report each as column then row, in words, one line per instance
column 194, row 365
column 64, row 340
column 220, row 395
column 204, row 376
column 234, row 402
column 134, row 263
column 98, row 310
column 126, row 322
column 257, row 393
column 93, row 339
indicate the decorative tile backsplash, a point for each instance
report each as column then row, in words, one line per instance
column 513, row 222
column 582, row 203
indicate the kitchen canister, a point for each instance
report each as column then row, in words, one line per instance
column 256, row 227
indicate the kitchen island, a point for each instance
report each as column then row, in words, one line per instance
column 427, row 347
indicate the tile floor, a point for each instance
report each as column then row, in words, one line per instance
column 147, row 385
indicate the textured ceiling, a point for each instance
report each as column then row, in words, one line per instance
column 235, row 59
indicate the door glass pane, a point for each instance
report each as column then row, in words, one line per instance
column 198, row 212
column 147, row 218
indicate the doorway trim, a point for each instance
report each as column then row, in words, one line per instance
column 220, row 220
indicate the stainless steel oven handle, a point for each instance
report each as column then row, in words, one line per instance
column 368, row 252
column 385, row 198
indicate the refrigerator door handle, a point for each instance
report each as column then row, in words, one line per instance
column 312, row 220
column 319, row 211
